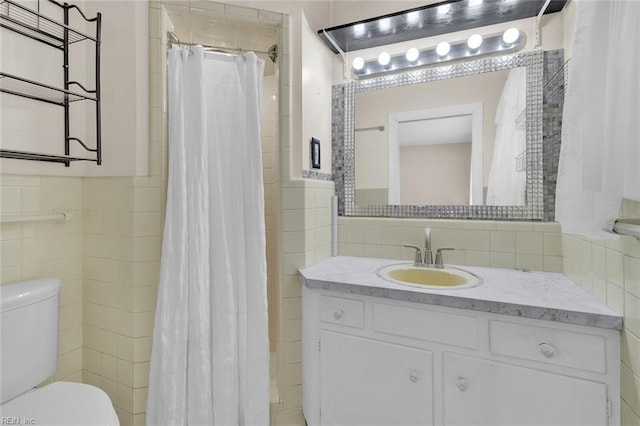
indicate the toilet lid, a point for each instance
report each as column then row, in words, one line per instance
column 62, row 403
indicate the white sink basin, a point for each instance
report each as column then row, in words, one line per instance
column 416, row 276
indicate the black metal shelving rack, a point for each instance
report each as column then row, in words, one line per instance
column 36, row 26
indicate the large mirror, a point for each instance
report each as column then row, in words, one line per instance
column 462, row 140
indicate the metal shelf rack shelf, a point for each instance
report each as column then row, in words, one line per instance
column 29, row 23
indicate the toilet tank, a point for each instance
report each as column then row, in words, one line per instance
column 28, row 334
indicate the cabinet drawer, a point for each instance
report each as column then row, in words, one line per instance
column 423, row 324
column 552, row 346
column 338, row 310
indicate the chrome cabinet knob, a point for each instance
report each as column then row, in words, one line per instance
column 462, row 384
column 338, row 314
column 413, row 376
column 547, row 350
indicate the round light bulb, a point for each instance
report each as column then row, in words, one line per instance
column 443, row 48
column 511, row 35
column 358, row 63
column 474, row 41
column 444, row 9
column 384, row 25
column 413, row 17
column 412, row 54
column 384, row 58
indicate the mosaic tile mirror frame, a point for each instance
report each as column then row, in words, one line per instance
column 540, row 168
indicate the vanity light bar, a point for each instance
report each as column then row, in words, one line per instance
column 490, row 45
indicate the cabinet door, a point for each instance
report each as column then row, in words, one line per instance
column 480, row 392
column 367, row 382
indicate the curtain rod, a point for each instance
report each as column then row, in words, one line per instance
column 364, row 129
column 218, row 49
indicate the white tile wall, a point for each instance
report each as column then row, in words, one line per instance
column 306, row 224
column 121, row 268
column 39, row 250
column 521, row 245
column 610, row 270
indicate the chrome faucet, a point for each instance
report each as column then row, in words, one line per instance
column 428, row 257
column 426, row 261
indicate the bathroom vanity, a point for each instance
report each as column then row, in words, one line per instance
column 521, row 348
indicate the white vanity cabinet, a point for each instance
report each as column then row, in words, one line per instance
column 376, row 361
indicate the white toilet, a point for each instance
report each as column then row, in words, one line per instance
column 28, row 356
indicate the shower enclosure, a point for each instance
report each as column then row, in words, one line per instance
column 232, row 29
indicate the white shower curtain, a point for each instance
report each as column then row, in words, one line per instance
column 506, row 185
column 210, row 358
column 600, row 154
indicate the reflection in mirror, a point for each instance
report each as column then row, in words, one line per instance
column 445, row 142
column 434, row 149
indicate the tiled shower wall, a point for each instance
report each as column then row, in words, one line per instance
column 271, row 178
column 610, row 270
column 39, row 250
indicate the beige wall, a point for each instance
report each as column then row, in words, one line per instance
column 316, row 98
column 346, row 11
column 610, row 270
column 34, row 126
column 435, row 174
column 569, row 13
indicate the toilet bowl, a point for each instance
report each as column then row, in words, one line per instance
column 28, row 357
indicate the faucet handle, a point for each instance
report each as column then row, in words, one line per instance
column 439, row 263
column 418, row 256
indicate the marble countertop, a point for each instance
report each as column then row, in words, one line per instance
column 540, row 295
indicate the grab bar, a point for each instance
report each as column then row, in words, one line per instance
column 36, row 217
column 629, row 227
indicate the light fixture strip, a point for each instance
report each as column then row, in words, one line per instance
column 491, row 45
